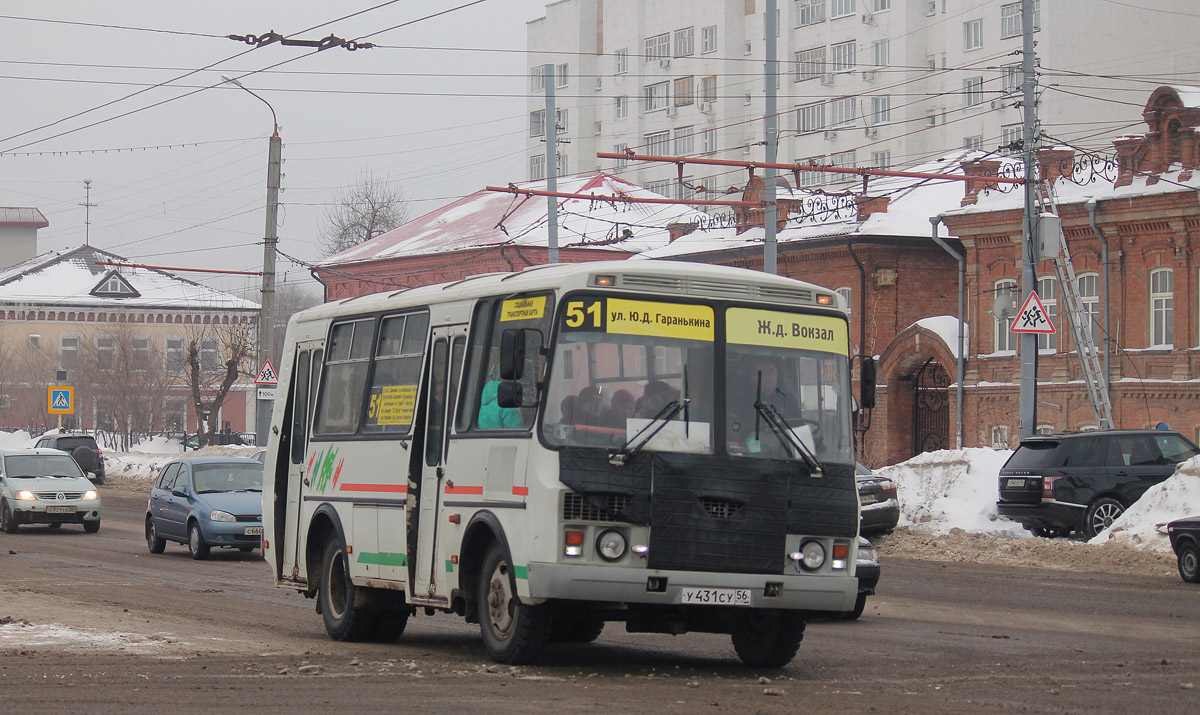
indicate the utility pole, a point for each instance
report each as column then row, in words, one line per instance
column 551, row 165
column 771, row 127
column 266, row 315
column 87, row 211
column 1029, row 233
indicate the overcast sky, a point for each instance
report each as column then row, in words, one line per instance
column 441, row 123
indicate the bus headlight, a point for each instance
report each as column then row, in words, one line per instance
column 812, row 555
column 611, row 545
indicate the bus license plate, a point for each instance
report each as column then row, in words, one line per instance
column 716, row 596
column 1015, row 484
column 253, row 531
column 60, row 510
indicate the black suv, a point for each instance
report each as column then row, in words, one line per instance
column 82, row 447
column 1056, row 484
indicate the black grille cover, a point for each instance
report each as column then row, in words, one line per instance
column 760, row 502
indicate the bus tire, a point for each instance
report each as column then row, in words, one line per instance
column 575, row 630
column 767, row 641
column 338, row 597
column 514, row 633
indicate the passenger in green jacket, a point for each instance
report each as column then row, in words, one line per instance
column 491, row 414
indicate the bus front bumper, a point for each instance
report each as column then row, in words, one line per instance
column 828, row 593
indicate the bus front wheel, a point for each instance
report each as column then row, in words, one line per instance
column 767, row 641
column 338, row 596
column 513, row 632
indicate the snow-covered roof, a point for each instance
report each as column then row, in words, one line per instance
column 913, row 202
column 489, row 218
column 73, row 279
column 21, row 216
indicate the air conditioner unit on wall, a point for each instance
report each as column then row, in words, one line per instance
column 868, row 18
column 665, row 63
column 705, row 107
column 871, row 132
column 830, row 134
column 827, row 79
column 672, row 110
column 870, row 75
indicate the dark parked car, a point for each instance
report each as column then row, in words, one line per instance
column 880, row 509
column 1185, row 539
column 205, row 502
column 82, row 447
column 1056, row 484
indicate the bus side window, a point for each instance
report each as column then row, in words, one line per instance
column 299, row 432
column 532, row 312
column 348, row 356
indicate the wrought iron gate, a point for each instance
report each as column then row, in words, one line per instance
column 931, row 408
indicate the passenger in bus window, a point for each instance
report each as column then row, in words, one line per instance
column 658, row 394
column 622, row 407
column 491, row 414
column 590, row 408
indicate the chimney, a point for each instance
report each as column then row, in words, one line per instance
column 18, row 234
column 868, row 205
column 983, row 169
column 1054, row 163
column 676, row 230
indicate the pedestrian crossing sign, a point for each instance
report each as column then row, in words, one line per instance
column 60, row 400
column 1033, row 317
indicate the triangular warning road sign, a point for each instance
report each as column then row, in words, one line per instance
column 1032, row 317
column 267, row 376
column 61, row 401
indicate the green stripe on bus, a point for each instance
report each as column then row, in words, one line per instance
column 521, row 572
column 382, row 559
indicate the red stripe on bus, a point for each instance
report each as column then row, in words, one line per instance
column 391, row 488
column 463, row 490
column 521, row 491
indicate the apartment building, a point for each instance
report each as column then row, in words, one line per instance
column 882, row 83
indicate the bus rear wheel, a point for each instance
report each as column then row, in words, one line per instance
column 513, row 632
column 767, row 641
column 338, row 596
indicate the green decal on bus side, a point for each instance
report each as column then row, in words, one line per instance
column 382, row 558
column 449, row 566
column 521, row 572
column 326, row 474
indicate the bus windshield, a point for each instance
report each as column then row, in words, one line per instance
column 619, row 364
column 794, row 367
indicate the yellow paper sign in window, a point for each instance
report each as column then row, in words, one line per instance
column 669, row 320
column 775, row 329
column 394, row 405
column 531, row 308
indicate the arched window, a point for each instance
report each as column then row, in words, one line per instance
column 1048, row 292
column 1162, row 308
column 1006, row 341
column 1089, row 298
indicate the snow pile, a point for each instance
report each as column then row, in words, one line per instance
column 134, row 465
column 952, row 489
column 1144, row 525
column 159, row 445
column 16, row 440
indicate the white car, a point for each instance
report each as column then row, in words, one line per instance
column 45, row 486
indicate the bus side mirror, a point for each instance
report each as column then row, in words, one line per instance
column 510, row 393
column 866, row 395
column 512, row 354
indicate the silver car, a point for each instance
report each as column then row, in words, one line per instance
column 45, row 486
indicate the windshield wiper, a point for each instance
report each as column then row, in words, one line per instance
column 770, row 414
column 635, row 443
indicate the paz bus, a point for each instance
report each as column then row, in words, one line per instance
column 662, row 444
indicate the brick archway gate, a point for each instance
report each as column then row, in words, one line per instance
column 916, row 412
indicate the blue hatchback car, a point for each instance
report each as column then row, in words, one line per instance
column 205, row 502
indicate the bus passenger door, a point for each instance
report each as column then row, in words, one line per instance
column 305, row 373
column 443, row 377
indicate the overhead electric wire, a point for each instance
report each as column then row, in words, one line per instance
column 110, row 27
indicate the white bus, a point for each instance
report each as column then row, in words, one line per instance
column 664, row 444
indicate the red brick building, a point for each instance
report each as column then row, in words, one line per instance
column 902, row 288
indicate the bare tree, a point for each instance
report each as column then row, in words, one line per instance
column 215, row 357
column 127, row 378
column 290, row 298
column 361, row 212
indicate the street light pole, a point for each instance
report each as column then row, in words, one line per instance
column 266, row 319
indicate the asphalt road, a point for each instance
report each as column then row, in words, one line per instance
column 113, row 628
